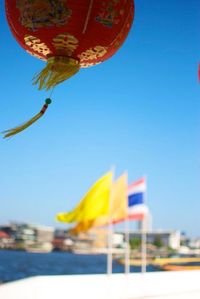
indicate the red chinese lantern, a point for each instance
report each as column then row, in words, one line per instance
column 68, row 35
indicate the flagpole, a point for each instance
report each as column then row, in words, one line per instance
column 127, row 248
column 144, row 239
column 127, row 238
column 144, row 246
column 110, row 228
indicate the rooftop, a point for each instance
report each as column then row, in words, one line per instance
column 154, row 285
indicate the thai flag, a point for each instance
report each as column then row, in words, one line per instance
column 137, row 209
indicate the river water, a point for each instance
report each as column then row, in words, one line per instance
column 16, row 265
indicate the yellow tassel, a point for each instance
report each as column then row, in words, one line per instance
column 57, row 70
column 14, row 131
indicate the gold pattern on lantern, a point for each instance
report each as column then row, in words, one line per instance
column 36, row 14
column 88, row 64
column 93, row 53
column 36, row 45
column 111, row 13
column 65, row 43
column 35, row 55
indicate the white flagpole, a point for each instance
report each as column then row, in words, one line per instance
column 144, row 246
column 144, row 239
column 127, row 248
column 110, row 228
column 127, row 237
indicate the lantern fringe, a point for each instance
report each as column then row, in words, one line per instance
column 14, row 131
column 57, row 70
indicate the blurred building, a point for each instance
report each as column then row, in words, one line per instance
column 20, row 232
column 44, row 234
column 62, row 241
column 6, row 242
column 195, row 244
column 170, row 239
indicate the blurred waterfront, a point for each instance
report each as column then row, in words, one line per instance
column 16, row 265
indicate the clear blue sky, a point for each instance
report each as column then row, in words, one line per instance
column 139, row 111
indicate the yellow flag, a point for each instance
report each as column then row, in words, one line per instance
column 94, row 204
column 118, row 207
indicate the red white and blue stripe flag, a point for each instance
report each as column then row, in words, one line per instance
column 137, row 209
